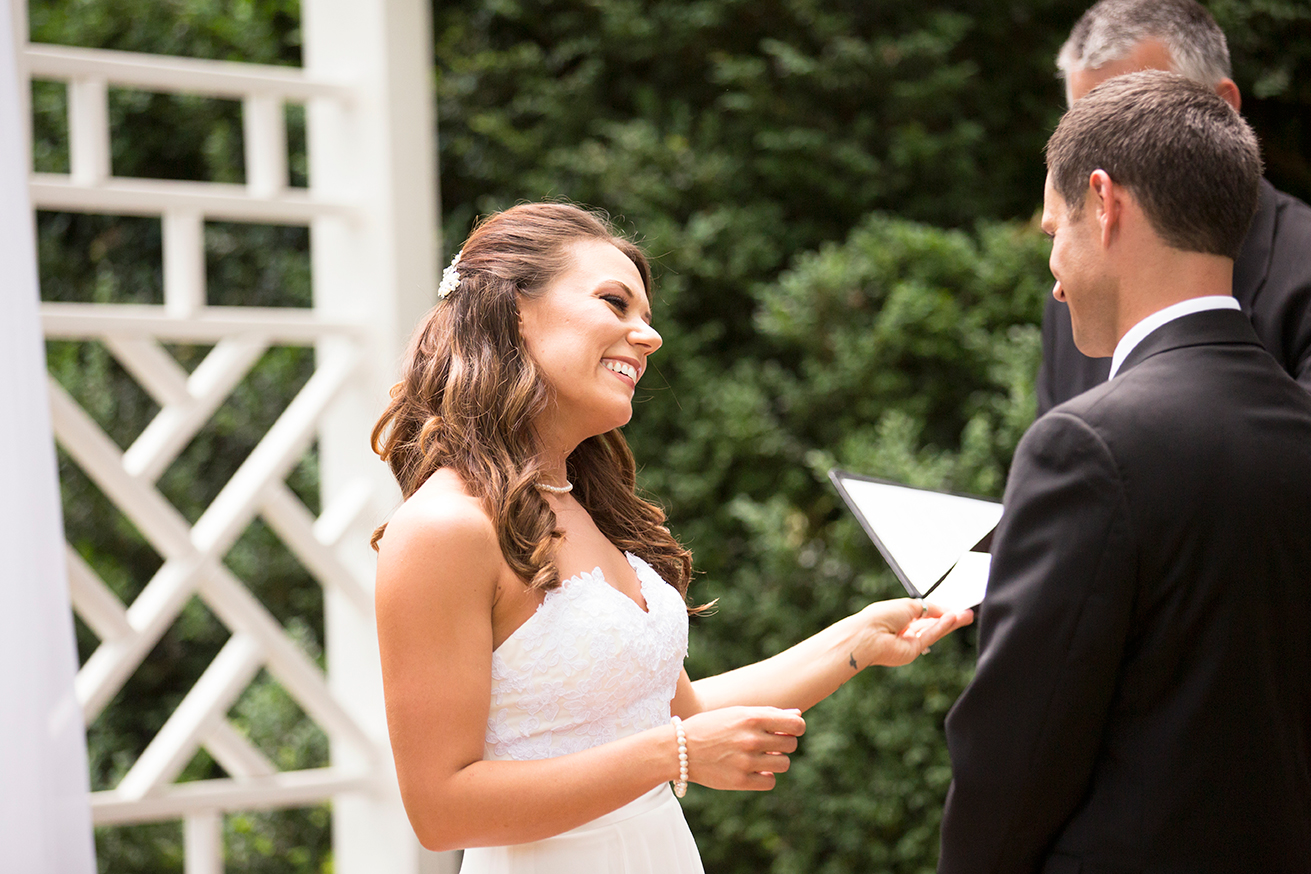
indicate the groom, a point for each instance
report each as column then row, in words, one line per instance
column 1143, row 695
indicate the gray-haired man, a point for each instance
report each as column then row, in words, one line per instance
column 1272, row 275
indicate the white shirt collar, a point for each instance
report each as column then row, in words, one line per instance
column 1139, row 332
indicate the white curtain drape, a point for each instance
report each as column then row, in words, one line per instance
column 45, row 816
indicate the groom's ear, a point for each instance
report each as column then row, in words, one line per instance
column 1106, row 198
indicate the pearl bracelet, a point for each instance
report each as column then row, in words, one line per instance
column 680, row 785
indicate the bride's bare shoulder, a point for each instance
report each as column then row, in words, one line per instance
column 440, row 533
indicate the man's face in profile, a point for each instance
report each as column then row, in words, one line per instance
column 1081, row 281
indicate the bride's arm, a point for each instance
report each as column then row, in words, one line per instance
column 884, row 633
column 437, row 572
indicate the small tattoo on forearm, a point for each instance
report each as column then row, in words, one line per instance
column 852, row 660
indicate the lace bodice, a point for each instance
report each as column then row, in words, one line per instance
column 587, row 668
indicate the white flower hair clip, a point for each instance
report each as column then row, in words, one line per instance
column 450, row 277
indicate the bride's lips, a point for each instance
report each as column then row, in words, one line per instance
column 626, row 369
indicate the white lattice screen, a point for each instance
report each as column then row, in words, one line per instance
column 370, row 209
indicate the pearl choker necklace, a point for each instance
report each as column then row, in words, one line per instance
column 555, row 490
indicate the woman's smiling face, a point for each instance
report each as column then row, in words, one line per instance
column 589, row 332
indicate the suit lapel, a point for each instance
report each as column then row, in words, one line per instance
column 1206, row 328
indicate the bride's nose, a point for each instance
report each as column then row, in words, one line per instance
column 646, row 337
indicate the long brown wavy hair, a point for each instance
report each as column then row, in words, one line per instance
column 470, row 394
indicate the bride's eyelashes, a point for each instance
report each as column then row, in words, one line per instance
column 618, row 301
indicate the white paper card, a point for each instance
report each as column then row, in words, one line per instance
column 965, row 585
column 925, row 533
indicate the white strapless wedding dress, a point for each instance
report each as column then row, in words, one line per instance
column 589, row 667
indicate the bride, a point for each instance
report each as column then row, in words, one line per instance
column 532, row 609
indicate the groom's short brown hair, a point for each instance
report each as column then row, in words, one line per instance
column 1187, row 157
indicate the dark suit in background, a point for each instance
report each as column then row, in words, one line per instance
column 1272, row 283
column 1143, row 695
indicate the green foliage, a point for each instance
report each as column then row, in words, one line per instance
column 256, row 31
column 838, row 198
column 906, row 351
column 1271, row 52
column 733, row 135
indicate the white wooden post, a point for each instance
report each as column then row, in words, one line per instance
column 377, row 270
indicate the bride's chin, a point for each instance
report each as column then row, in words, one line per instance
column 615, row 422
column 619, row 420
column 596, row 415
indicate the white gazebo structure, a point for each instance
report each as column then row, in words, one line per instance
column 371, row 211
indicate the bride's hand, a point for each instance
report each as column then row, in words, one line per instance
column 741, row 747
column 898, row 631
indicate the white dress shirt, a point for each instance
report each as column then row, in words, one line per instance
column 1138, row 332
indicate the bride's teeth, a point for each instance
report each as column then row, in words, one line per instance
column 619, row 367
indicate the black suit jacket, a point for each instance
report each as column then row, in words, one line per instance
column 1143, row 694
column 1272, row 283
